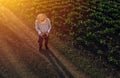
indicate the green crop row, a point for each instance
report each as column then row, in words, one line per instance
column 100, row 32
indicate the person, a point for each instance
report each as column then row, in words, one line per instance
column 43, row 27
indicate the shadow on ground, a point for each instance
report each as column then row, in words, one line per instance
column 58, row 66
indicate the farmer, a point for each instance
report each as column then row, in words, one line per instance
column 43, row 27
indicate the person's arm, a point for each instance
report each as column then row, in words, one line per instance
column 37, row 27
column 49, row 24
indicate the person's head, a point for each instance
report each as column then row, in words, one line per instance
column 41, row 18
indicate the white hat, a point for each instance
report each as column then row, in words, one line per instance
column 41, row 18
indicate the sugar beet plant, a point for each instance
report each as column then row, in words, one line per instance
column 98, row 29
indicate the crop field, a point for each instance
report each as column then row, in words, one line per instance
column 92, row 24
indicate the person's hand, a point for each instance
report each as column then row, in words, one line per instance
column 47, row 34
column 41, row 35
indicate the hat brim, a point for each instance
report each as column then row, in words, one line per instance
column 42, row 18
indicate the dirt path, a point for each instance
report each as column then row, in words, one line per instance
column 19, row 55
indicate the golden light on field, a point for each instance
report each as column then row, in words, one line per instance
column 3, row 2
column 14, row 5
column 8, row 2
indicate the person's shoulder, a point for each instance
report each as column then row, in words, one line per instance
column 36, row 21
column 48, row 19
